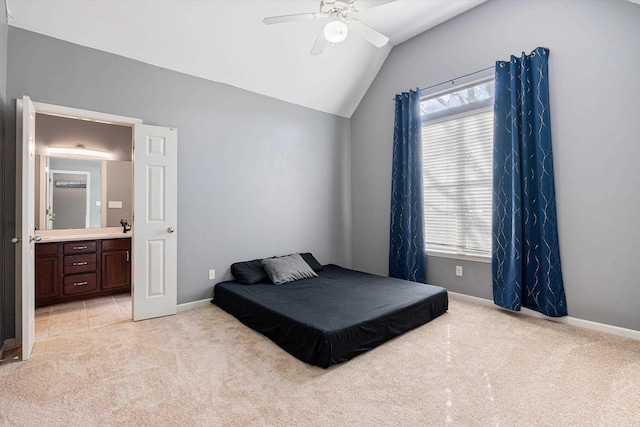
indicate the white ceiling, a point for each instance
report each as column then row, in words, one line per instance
column 226, row 41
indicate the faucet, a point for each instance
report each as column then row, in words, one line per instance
column 125, row 225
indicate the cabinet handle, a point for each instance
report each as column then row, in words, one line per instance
column 81, row 263
column 80, row 283
column 127, row 255
column 75, row 248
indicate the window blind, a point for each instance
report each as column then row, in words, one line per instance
column 457, row 164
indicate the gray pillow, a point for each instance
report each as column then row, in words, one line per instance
column 287, row 269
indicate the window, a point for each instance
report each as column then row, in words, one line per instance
column 457, row 142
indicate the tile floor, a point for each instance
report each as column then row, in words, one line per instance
column 79, row 316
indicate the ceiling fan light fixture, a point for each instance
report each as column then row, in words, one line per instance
column 336, row 31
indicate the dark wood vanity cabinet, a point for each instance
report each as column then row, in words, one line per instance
column 116, row 263
column 67, row 271
column 48, row 271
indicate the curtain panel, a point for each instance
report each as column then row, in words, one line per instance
column 407, row 255
column 526, row 254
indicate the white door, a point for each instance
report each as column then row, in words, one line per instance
column 155, row 273
column 25, row 226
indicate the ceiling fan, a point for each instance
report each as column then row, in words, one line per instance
column 337, row 29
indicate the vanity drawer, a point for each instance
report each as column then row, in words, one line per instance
column 80, row 247
column 46, row 249
column 122, row 244
column 79, row 263
column 80, row 283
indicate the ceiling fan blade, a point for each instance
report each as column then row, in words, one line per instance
column 288, row 18
column 360, row 5
column 368, row 33
column 318, row 46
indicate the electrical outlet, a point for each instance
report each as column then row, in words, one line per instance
column 458, row 270
column 212, row 274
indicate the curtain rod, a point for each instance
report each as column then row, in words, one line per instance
column 457, row 78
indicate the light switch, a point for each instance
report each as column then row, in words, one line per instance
column 115, row 204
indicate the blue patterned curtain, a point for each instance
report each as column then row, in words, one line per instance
column 407, row 257
column 526, row 254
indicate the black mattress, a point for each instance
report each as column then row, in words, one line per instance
column 334, row 317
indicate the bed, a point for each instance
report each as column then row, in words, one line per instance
column 334, row 317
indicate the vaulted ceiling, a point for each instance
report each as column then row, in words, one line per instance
column 227, row 42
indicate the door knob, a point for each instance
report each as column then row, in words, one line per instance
column 171, row 229
column 31, row 239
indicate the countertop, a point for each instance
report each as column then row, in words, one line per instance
column 49, row 236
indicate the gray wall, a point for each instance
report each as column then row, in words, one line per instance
column 256, row 176
column 5, row 244
column 595, row 99
column 53, row 131
column 119, row 189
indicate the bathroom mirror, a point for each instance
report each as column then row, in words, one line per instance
column 78, row 190
column 81, row 193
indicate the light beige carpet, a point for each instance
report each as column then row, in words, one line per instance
column 473, row 366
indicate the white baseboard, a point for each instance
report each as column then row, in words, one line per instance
column 587, row 324
column 194, row 304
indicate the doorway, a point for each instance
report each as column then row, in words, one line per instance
column 154, row 242
column 78, row 192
